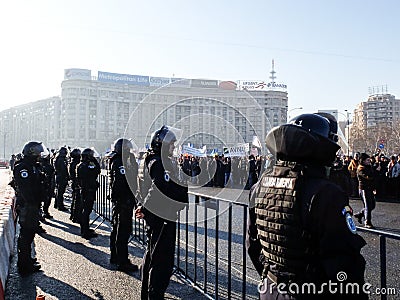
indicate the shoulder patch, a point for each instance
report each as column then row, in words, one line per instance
column 24, row 173
column 350, row 223
column 166, row 176
column 122, row 170
column 347, row 209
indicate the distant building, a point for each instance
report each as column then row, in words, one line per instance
column 374, row 123
column 95, row 110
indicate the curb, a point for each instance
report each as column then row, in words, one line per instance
column 7, row 235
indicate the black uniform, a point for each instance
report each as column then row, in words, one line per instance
column 61, row 167
column 252, row 179
column 164, row 199
column 302, row 225
column 87, row 172
column 76, row 205
column 29, row 183
column 302, row 238
column 49, row 185
column 123, row 199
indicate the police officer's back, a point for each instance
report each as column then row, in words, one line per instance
column 76, row 205
column 87, row 172
column 61, row 167
column 300, row 221
column 49, row 184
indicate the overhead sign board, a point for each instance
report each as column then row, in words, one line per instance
column 180, row 82
column 228, row 85
column 82, row 74
column 159, row 81
column 259, row 85
column 123, row 78
column 204, row 83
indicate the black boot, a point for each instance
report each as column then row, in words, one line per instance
column 359, row 216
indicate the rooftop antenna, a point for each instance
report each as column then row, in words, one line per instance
column 272, row 77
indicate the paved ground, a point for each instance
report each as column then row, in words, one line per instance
column 75, row 268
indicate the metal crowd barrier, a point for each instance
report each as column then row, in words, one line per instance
column 211, row 250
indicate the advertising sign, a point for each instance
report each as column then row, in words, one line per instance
column 159, row 81
column 180, row 82
column 204, row 83
column 228, row 85
column 259, row 85
column 123, row 78
column 83, row 74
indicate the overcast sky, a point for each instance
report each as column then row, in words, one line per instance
column 328, row 53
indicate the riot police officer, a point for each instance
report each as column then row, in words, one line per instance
column 123, row 181
column 49, row 184
column 76, row 205
column 29, row 182
column 165, row 198
column 88, row 171
column 61, row 166
column 300, row 222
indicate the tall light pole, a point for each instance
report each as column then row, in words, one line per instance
column 348, row 131
column 4, row 149
column 292, row 110
column 347, row 116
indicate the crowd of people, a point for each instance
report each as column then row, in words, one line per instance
column 221, row 171
column 385, row 169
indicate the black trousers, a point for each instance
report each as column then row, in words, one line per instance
column 61, row 186
column 158, row 260
column 76, row 205
column 368, row 198
column 88, row 198
column 47, row 201
column 122, row 214
column 29, row 222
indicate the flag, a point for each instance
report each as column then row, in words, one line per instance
column 256, row 142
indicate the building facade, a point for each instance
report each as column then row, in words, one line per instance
column 376, row 124
column 96, row 110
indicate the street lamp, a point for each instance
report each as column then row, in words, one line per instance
column 292, row 110
column 347, row 116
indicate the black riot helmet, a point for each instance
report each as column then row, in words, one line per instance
column 87, row 154
column 162, row 138
column 63, row 151
column 322, row 124
column 34, row 150
column 307, row 138
column 75, row 153
column 122, row 145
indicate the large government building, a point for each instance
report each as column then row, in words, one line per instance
column 95, row 110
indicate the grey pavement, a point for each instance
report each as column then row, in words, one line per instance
column 75, row 268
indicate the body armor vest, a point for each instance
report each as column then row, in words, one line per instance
column 281, row 214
